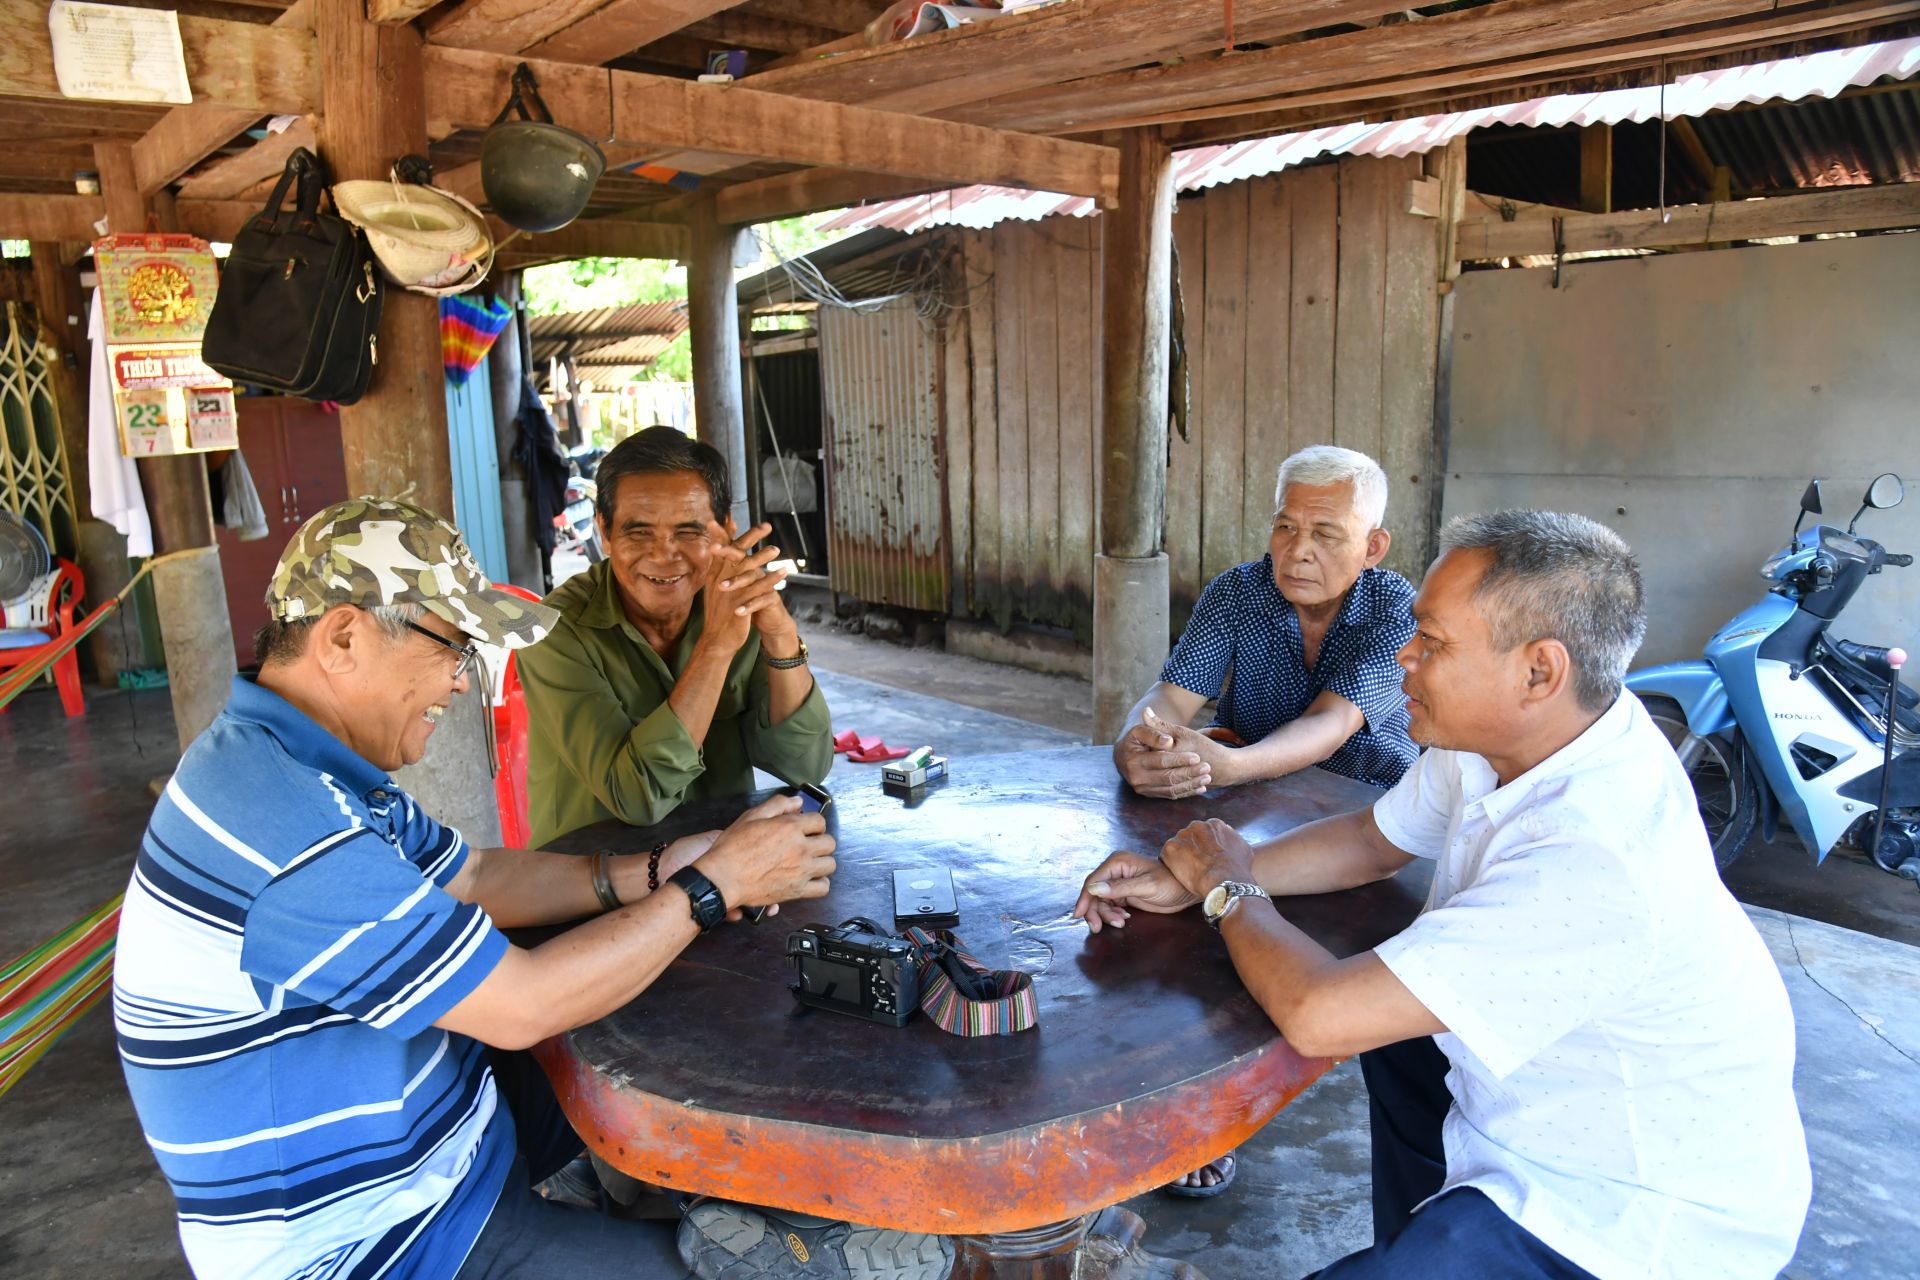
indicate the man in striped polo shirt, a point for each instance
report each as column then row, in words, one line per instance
column 318, row 1016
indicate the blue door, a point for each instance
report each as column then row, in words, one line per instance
column 476, row 471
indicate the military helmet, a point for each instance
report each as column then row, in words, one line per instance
column 538, row 175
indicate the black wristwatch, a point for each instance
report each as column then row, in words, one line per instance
column 709, row 908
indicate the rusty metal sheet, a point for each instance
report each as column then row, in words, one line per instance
column 886, row 496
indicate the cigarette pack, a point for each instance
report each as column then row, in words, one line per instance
column 893, row 775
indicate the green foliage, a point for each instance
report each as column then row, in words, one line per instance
column 589, row 284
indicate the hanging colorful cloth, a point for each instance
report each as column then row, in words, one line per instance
column 44, row 992
column 467, row 332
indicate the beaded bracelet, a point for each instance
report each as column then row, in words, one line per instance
column 653, row 866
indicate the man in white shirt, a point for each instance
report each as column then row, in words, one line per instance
column 1580, row 1055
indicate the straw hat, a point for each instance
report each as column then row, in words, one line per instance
column 427, row 240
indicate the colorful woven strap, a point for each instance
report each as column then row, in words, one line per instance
column 965, row 997
column 44, row 992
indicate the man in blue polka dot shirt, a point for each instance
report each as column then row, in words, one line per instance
column 1308, row 634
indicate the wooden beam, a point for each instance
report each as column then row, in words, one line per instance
column 600, row 238
column 395, row 11
column 651, row 112
column 1596, row 168
column 263, row 160
column 810, row 190
column 1687, row 139
column 215, row 219
column 268, row 70
column 843, row 16
column 1044, row 46
column 187, row 135
column 50, row 217
column 617, row 28
column 732, row 29
column 1621, row 64
column 1486, row 236
column 1458, row 42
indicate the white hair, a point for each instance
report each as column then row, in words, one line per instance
column 1323, row 464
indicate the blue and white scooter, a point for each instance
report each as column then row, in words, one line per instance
column 1780, row 717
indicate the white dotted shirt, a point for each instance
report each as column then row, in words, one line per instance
column 1244, row 625
column 1620, row 1040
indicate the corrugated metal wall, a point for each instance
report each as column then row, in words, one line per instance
column 1311, row 318
column 886, row 498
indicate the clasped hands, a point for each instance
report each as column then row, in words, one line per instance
column 1173, row 762
column 1200, row 857
column 741, row 592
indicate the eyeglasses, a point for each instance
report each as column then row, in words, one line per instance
column 468, row 652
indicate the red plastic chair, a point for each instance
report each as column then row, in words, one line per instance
column 510, row 733
column 38, row 621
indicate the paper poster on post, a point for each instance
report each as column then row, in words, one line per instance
column 113, row 53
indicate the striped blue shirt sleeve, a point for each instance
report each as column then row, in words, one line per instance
column 1199, row 663
column 439, row 851
column 355, row 926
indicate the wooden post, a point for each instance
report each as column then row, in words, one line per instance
column 395, row 438
column 1596, row 168
column 713, row 319
column 1130, row 607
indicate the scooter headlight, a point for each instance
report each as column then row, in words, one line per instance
column 1771, row 567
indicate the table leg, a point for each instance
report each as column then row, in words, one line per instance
column 1100, row 1246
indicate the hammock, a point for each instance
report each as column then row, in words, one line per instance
column 44, row 992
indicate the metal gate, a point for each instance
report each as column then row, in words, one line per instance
column 886, row 496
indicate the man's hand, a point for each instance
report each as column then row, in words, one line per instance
column 1172, row 761
column 1127, row 880
column 772, row 853
column 685, row 851
column 1206, row 853
column 739, row 589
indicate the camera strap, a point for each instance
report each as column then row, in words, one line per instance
column 963, row 996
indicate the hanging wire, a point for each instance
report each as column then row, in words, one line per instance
column 1664, row 215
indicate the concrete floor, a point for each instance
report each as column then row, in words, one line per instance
column 80, row 1196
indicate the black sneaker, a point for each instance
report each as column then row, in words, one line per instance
column 721, row 1240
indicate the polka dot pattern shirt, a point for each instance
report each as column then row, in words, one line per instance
column 1243, row 625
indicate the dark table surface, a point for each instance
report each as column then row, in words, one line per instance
column 1148, row 1052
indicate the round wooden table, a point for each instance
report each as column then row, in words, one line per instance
column 1150, row 1058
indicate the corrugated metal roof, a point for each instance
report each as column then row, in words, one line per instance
column 1819, row 75
column 615, row 343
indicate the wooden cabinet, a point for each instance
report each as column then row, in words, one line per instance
column 294, row 453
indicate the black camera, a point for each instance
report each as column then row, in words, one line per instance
column 857, row 968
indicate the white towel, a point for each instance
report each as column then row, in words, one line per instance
column 244, row 510
column 117, row 496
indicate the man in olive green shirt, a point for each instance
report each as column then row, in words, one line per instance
column 675, row 667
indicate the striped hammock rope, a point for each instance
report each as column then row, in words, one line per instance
column 45, row 991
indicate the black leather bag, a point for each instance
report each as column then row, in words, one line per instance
column 299, row 303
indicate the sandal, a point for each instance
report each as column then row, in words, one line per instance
column 1228, row 1165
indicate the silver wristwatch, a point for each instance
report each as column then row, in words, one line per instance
column 1223, row 897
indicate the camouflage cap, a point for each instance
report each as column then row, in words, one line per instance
column 375, row 551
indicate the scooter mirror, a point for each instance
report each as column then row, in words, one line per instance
column 1810, row 500
column 1885, row 491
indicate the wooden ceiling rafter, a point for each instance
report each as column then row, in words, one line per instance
column 643, row 113
column 1504, row 31
column 187, row 135
column 240, row 174
column 1643, row 66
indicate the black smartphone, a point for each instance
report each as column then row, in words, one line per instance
column 813, row 799
column 923, row 896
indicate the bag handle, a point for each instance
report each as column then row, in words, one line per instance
column 525, row 89
column 310, row 172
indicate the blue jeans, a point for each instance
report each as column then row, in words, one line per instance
column 1461, row 1235
column 528, row 1236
